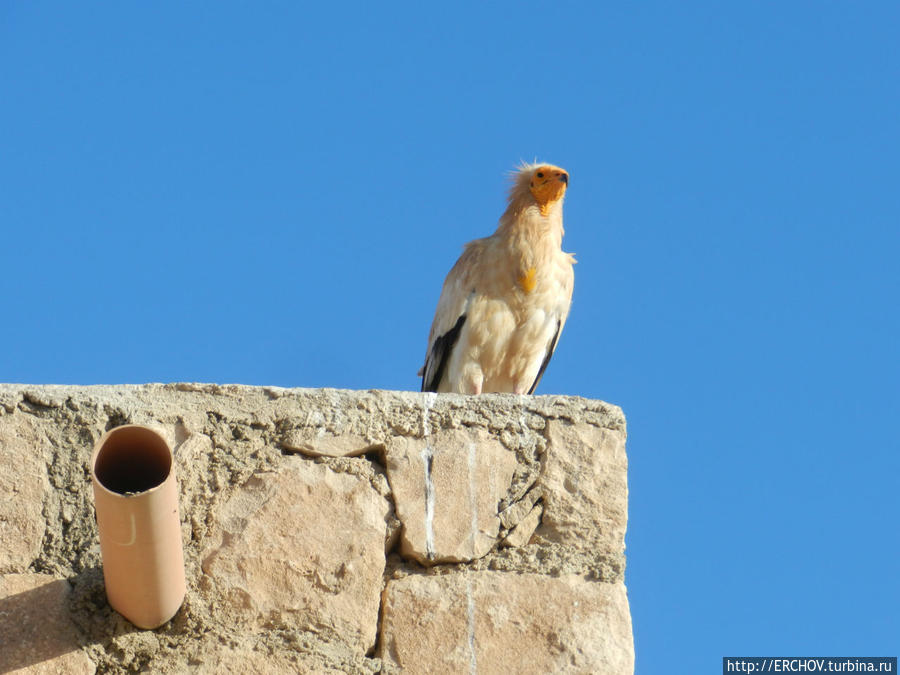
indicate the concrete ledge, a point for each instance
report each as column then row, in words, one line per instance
column 333, row 531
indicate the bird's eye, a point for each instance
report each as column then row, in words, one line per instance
column 540, row 174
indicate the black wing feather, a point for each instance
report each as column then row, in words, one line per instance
column 546, row 358
column 440, row 354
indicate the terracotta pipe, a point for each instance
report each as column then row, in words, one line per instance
column 136, row 500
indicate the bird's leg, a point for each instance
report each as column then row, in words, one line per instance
column 472, row 380
column 470, row 387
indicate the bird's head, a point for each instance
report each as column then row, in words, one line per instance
column 546, row 183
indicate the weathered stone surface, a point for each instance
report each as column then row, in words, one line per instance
column 318, row 442
column 512, row 515
column 36, row 633
column 254, row 518
column 492, row 622
column 213, row 656
column 302, row 546
column 231, row 660
column 584, row 479
column 447, row 487
column 522, row 532
column 23, row 482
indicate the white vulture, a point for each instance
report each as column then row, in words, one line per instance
column 505, row 302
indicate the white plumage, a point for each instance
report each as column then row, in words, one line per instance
column 506, row 300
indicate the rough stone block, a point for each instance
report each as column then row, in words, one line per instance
column 23, row 480
column 302, row 546
column 521, row 533
column 513, row 514
column 447, row 487
column 492, row 622
column 214, row 657
column 585, row 486
column 317, row 442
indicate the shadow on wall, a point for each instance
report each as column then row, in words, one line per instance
column 35, row 622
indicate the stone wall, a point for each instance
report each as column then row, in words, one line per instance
column 327, row 531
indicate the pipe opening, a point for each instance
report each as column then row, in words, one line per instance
column 133, row 459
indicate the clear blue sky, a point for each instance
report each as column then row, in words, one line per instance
column 272, row 193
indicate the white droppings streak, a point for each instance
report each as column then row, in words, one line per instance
column 430, row 398
column 523, row 422
column 427, row 458
column 427, row 455
column 470, row 615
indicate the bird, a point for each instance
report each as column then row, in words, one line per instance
column 504, row 303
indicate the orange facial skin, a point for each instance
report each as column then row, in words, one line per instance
column 548, row 185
